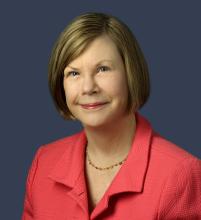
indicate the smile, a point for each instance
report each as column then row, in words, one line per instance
column 93, row 105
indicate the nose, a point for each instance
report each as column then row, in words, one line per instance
column 89, row 85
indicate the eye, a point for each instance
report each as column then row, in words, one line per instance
column 72, row 73
column 103, row 68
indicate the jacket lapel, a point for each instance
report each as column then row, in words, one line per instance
column 69, row 170
column 131, row 176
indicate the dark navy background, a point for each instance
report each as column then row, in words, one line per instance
column 169, row 34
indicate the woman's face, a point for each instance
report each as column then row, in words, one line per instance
column 95, row 84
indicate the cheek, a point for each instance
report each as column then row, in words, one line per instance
column 118, row 86
column 70, row 93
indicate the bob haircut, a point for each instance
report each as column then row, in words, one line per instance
column 74, row 40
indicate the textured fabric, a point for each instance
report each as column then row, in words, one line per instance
column 159, row 180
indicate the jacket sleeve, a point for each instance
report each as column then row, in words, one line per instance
column 181, row 197
column 28, row 206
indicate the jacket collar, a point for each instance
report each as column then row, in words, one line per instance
column 70, row 166
column 130, row 178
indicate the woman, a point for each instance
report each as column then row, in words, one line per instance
column 117, row 167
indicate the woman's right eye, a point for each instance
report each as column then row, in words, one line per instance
column 73, row 73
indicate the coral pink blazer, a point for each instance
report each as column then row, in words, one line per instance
column 159, row 180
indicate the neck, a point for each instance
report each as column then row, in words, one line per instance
column 111, row 142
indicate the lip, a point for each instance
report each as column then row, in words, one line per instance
column 93, row 105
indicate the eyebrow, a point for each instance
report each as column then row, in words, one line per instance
column 98, row 63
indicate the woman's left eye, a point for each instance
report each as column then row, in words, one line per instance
column 103, row 68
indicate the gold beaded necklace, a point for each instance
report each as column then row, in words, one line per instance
column 103, row 168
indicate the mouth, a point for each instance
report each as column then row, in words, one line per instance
column 96, row 105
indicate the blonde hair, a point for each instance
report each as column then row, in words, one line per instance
column 74, row 40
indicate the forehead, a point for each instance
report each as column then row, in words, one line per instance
column 100, row 49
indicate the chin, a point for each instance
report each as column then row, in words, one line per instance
column 93, row 124
column 102, row 122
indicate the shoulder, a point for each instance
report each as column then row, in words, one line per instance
column 51, row 152
column 179, row 173
column 170, row 164
column 62, row 143
column 173, row 156
column 180, row 195
column 168, row 152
